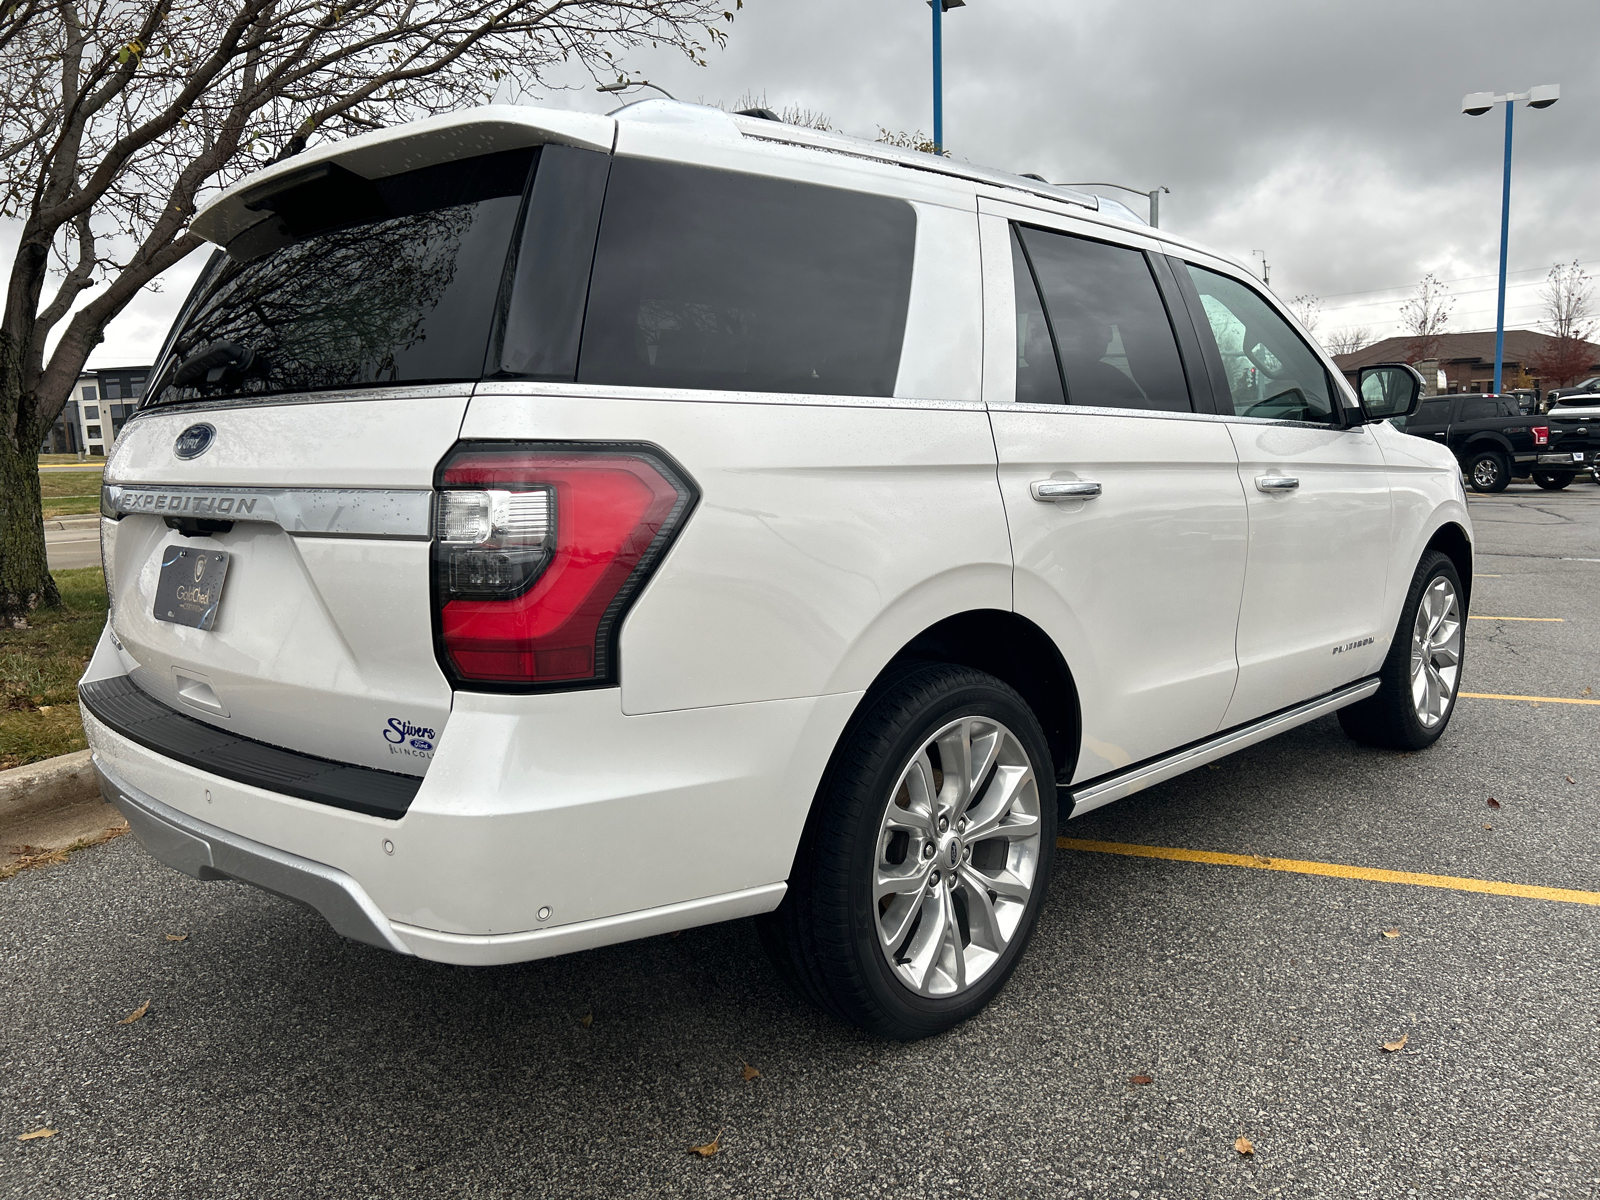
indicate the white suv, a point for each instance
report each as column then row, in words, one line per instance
column 548, row 529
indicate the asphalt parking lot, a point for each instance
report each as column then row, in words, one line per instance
column 276, row 1059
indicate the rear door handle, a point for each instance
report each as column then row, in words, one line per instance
column 1276, row 483
column 1064, row 489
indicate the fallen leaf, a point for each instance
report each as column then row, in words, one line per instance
column 1493, row 803
column 177, row 937
column 708, row 1149
column 1391, row 933
column 750, row 1073
column 1261, row 861
column 1141, row 1080
column 135, row 1014
column 44, row 708
column 1488, row 826
column 1398, row 1044
column 37, row 1133
column 1588, row 691
column 1245, row 1146
column 587, row 1020
column 1570, row 779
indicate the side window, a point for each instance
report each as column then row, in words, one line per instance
column 1433, row 412
column 1478, row 410
column 717, row 279
column 1270, row 371
column 1038, row 375
column 1111, row 328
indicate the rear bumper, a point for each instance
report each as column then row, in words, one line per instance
column 207, row 852
column 546, row 824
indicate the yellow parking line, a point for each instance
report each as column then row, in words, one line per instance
column 1536, row 699
column 1556, row 619
column 1335, row 870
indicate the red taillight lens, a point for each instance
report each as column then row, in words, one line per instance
column 539, row 549
column 1541, row 435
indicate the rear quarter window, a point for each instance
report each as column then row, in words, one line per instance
column 714, row 279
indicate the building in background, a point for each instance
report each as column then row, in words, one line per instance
column 1464, row 362
column 102, row 401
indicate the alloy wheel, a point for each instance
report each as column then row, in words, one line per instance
column 1435, row 652
column 957, row 856
column 1485, row 472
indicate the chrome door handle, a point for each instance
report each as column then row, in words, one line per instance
column 1276, row 483
column 1064, row 489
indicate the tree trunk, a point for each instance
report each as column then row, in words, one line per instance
column 25, row 581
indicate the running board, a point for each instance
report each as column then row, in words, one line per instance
column 1107, row 788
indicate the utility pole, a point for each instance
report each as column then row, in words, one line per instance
column 939, row 10
column 1266, row 268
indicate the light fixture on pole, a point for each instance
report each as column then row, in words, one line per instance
column 1476, row 105
column 1152, row 194
column 623, row 85
column 939, row 9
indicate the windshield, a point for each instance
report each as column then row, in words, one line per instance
column 351, row 282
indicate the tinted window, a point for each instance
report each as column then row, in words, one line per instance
column 1111, row 328
column 1038, row 375
column 349, row 281
column 1477, row 410
column 712, row 279
column 1433, row 412
column 1270, row 372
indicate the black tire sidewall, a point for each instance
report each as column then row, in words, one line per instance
column 1553, row 481
column 1502, row 471
column 1416, row 735
column 910, row 1015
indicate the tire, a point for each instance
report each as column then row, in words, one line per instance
column 1395, row 718
column 1553, row 481
column 1488, row 471
column 874, row 830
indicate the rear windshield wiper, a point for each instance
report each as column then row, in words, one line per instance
column 211, row 364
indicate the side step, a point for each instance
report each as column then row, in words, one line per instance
column 1087, row 797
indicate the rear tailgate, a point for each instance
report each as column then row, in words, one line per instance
column 322, row 638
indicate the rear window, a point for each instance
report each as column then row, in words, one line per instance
column 349, row 281
column 721, row 280
column 1478, row 410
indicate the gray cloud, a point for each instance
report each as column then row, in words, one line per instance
column 1328, row 135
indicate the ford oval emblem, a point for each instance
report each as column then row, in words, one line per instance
column 194, row 441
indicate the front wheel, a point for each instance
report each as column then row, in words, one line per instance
column 1422, row 672
column 1553, row 481
column 925, row 863
column 1489, row 472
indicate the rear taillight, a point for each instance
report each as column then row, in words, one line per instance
column 539, row 548
column 1541, row 435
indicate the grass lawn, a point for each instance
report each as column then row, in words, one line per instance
column 39, row 670
column 69, row 493
column 70, row 460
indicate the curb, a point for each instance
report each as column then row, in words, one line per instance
column 54, row 783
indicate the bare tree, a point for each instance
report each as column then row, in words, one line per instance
column 1349, row 339
column 915, row 140
column 118, row 116
column 1426, row 316
column 1309, row 309
column 1568, row 296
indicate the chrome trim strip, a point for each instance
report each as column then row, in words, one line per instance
column 208, row 853
column 1136, row 779
column 536, row 389
column 396, row 514
column 407, row 391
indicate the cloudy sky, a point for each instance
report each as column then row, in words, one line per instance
column 1327, row 135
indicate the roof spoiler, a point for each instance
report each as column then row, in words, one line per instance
column 467, row 134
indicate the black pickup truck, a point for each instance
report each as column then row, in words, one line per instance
column 1495, row 443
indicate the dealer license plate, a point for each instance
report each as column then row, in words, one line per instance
column 190, row 586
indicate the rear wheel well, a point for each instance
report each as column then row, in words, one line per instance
column 1011, row 648
column 1452, row 541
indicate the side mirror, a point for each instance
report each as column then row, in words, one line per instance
column 1389, row 390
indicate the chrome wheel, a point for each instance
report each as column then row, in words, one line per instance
column 1435, row 652
column 1485, row 473
column 957, row 856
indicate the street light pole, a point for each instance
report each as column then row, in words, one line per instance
column 939, row 7
column 1153, row 195
column 1476, row 105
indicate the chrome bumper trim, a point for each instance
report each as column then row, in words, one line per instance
column 1135, row 779
column 208, row 853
